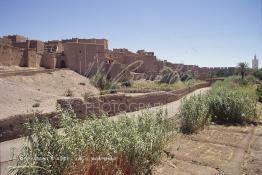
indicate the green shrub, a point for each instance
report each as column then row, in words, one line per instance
column 258, row 74
column 137, row 142
column 103, row 82
column 194, row 113
column 189, row 75
column 226, row 103
column 251, row 79
column 248, row 80
column 231, row 104
column 168, row 76
column 259, row 92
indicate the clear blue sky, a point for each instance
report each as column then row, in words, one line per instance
column 201, row 32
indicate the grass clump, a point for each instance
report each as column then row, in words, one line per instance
column 194, row 113
column 69, row 93
column 36, row 105
column 134, row 144
column 103, row 82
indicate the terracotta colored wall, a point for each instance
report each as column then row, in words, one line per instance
column 32, row 58
column 38, row 45
column 5, row 41
column 150, row 65
column 84, row 58
column 16, row 38
column 103, row 42
column 13, row 127
column 10, row 55
column 49, row 60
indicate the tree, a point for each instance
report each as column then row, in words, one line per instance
column 242, row 68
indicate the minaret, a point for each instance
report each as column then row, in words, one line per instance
column 255, row 62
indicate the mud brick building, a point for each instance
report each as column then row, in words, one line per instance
column 87, row 56
column 139, row 62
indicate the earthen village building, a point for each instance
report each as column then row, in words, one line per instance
column 87, row 56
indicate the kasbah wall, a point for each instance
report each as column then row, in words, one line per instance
column 87, row 56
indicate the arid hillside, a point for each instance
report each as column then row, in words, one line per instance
column 20, row 93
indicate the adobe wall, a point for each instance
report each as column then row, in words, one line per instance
column 38, row 45
column 16, row 38
column 103, row 42
column 54, row 46
column 49, row 60
column 32, row 58
column 150, row 65
column 13, row 126
column 33, row 44
column 113, row 70
column 23, row 45
column 202, row 72
column 11, row 56
column 5, row 41
column 84, row 58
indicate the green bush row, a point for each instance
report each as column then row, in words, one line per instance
column 232, row 105
column 224, row 103
column 137, row 142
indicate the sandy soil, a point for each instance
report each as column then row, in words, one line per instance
column 216, row 150
column 253, row 158
column 17, row 68
column 19, row 93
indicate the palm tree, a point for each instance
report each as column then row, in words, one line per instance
column 242, row 68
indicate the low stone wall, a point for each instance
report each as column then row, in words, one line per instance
column 117, row 103
column 13, row 127
column 130, row 90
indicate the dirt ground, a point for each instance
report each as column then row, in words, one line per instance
column 16, row 68
column 18, row 94
column 216, row 150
